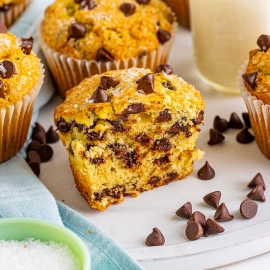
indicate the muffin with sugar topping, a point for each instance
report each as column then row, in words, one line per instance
column 83, row 38
column 128, row 131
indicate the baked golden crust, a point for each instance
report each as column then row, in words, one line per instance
column 10, row 2
column 107, row 27
column 133, row 141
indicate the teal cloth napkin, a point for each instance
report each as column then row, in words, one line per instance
column 22, row 194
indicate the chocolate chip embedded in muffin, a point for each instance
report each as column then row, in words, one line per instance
column 108, row 82
column 206, row 172
column 7, row 69
column 77, row 30
column 164, row 68
column 168, row 85
column 143, row 139
column 145, row 87
column 162, row 160
column 100, row 96
column 2, row 89
column 185, row 211
column 128, row 9
column 250, row 78
column 144, row 2
column 222, row 214
column 154, row 180
column 164, row 116
column 176, row 128
column 63, row 126
column 103, row 55
column 163, row 36
column 26, row 44
column 264, row 42
column 162, row 145
column 156, row 238
column 87, row 4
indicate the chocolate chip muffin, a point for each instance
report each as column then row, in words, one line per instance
column 83, row 38
column 128, row 131
column 21, row 77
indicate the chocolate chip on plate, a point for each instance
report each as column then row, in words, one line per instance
column 235, row 121
column 77, row 30
column 163, row 36
column 216, row 137
column 222, row 214
column 206, row 172
column 185, row 211
column 257, row 193
column 213, row 198
column 35, row 167
column 257, row 179
column 164, row 68
column 198, row 217
column 194, row 230
column 128, row 9
column 248, row 208
column 100, row 96
column 34, row 145
column 38, row 127
column 108, row 82
column 220, row 124
column 246, row 119
column 45, row 152
column 155, row 238
column 244, row 136
column 7, row 69
column 51, row 135
column 103, row 55
column 263, row 42
column 250, row 78
column 40, row 137
column 33, row 156
column 212, row 227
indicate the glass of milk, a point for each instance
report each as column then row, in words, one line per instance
column 223, row 33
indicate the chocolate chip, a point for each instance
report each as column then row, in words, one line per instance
column 213, row 198
column 170, row 177
column 128, row 9
column 185, row 211
column 168, row 85
column 143, row 139
column 222, row 214
column 244, row 136
column 194, row 230
column 199, row 118
column 34, row 145
column 2, row 89
column 248, row 208
column 246, row 119
column 97, row 161
column 163, row 36
column 220, row 124
column 134, row 108
column 35, row 167
column 27, row 44
column 176, row 128
column 52, row 136
column 206, row 172
column 3, row 28
column 148, row 77
column 215, row 137
column 40, row 137
column 77, row 30
column 100, row 96
column 108, row 82
column 162, row 160
column 104, row 56
column 250, row 78
column 38, row 127
column 162, row 145
column 63, row 126
column 117, row 126
column 87, row 4
column 156, row 238
column 93, row 135
column 256, row 180
column 45, row 152
column 33, row 156
column 154, row 180
column 164, row 68
column 257, row 193
column 164, row 116
column 264, row 42
column 235, row 121
column 7, row 69
column 145, row 87
column 198, row 217
column 212, row 227
column 144, row 2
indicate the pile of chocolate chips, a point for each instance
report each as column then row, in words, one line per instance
column 38, row 149
column 221, row 125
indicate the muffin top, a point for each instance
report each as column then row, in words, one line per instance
column 257, row 76
column 10, row 2
column 19, row 67
column 105, row 30
column 115, row 95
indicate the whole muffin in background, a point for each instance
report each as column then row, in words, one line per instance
column 10, row 10
column 128, row 131
column 83, row 38
column 21, row 77
column 254, row 84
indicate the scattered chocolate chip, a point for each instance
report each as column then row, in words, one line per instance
column 257, row 193
column 87, row 4
column 108, row 82
column 246, row 119
column 248, row 208
column 163, row 36
column 144, row 2
column 33, row 156
column 134, row 108
column 7, row 69
column 198, row 217
column 164, row 116
column 77, row 30
column 37, row 128
column 45, row 152
column 168, row 85
column 213, row 198
column 220, row 124
column 63, row 126
column 264, row 42
column 2, row 89
column 35, row 167
column 100, row 96
column 185, row 211
column 104, row 56
column 145, row 87
column 40, row 137
column 194, row 230
column 26, row 44
column 250, row 78
column 216, row 137
column 164, row 68
column 244, row 136
column 222, row 214
column 155, row 238
column 256, row 180
column 235, row 121
column 212, row 227
column 128, row 9
column 3, row 28
column 206, row 172
column 51, row 135
column 148, row 77
column 162, row 145
column 34, row 145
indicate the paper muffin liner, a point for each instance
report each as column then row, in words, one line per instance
column 15, row 121
column 68, row 72
column 10, row 16
column 259, row 114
